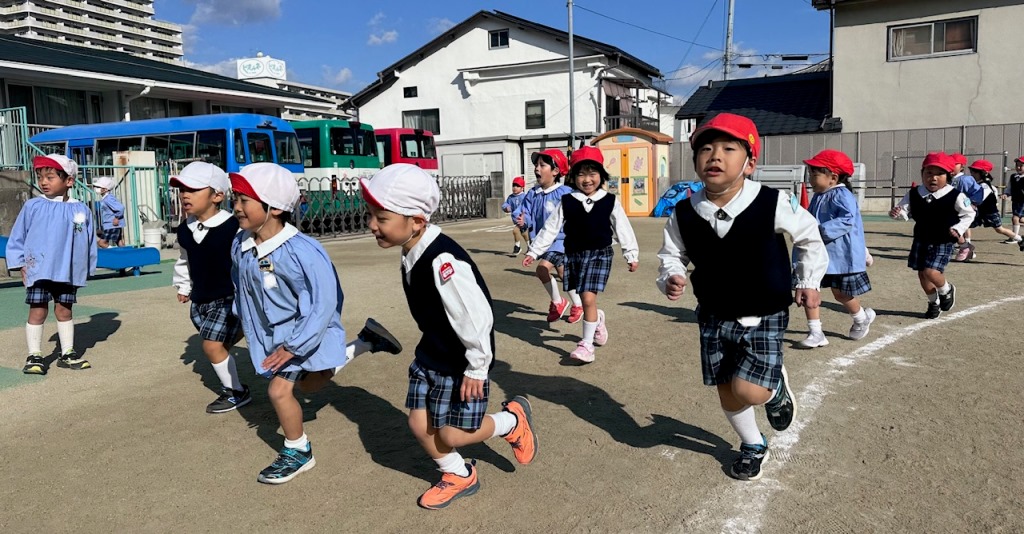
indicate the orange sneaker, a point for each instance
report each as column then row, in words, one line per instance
column 522, row 438
column 449, row 488
column 556, row 310
column 575, row 314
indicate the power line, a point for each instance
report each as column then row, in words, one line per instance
column 696, row 36
column 680, row 39
column 710, row 64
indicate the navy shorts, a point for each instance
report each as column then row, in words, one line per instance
column 929, row 256
column 439, row 395
column 730, row 350
column 214, row 320
column 112, row 235
column 850, row 284
column 1018, row 208
column 588, row 270
column 43, row 291
column 554, row 258
column 988, row 220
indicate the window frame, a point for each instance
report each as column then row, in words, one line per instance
column 497, row 33
column 543, row 114
column 931, row 24
column 411, row 91
column 419, row 124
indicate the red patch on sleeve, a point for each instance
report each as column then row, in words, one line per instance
column 446, row 271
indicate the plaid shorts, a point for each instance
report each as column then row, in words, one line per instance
column 291, row 376
column 43, row 291
column 929, row 256
column 1018, row 208
column 214, row 320
column 112, row 235
column 588, row 270
column 730, row 350
column 850, row 284
column 988, row 220
column 555, row 258
column 439, row 395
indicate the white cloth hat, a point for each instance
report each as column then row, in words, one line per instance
column 404, row 189
column 269, row 183
column 200, row 175
column 103, row 182
column 56, row 161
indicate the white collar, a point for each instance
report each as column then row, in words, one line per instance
column 270, row 245
column 60, row 199
column 554, row 186
column 410, row 258
column 214, row 221
column 740, row 202
column 597, row 195
column 924, row 192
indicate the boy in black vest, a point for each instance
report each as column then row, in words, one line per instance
column 448, row 384
column 590, row 216
column 732, row 231
column 203, row 274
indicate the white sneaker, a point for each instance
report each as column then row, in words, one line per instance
column 860, row 329
column 814, row 339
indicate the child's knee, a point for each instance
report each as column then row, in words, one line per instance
column 418, row 424
column 280, row 390
column 452, row 437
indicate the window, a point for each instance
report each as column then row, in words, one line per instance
column 940, row 38
column 417, row 146
column 498, row 39
column 210, row 146
column 410, row 92
column 239, row 147
column 423, row 119
column 287, row 147
column 309, row 144
column 534, row 114
column 259, row 147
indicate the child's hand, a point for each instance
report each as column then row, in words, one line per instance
column 117, row 222
column 521, row 220
column 506, row 209
column 954, row 233
column 182, row 298
column 675, row 286
column 24, row 278
column 1004, row 196
column 808, row 298
column 277, row 360
column 472, row 389
column 896, row 212
column 527, row 261
column 633, row 266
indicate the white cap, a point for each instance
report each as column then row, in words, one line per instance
column 103, row 182
column 56, row 161
column 404, row 189
column 269, row 183
column 200, row 175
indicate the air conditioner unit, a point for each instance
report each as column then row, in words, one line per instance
column 832, row 124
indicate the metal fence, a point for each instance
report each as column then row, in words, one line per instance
column 14, row 135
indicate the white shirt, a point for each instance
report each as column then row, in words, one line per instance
column 619, row 221
column 464, row 302
column 181, row 278
column 964, row 209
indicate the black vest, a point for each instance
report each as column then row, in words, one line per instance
column 932, row 220
column 1017, row 187
column 440, row 348
column 745, row 273
column 209, row 262
column 989, row 205
column 587, row 231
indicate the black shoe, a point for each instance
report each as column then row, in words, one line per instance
column 379, row 338
column 70, row 360
column 781, row 409
column 946, row 301
column 230, row 399
column 516, row 249
column 35, row 365
column 748, row 465
column 933, row 311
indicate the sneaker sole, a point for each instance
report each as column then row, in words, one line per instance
column 34, row 370
column 74, row 366
column 792, row 401
column 231, row 409
column 528, row 412
column 767, row 454
column 309, row 465
column 600, row 324
column 804, row 345
column 871, row 319
column 464, row 493
column 378, row 329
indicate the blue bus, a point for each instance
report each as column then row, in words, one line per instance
column 229, row 140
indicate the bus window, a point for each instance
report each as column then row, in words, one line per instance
column 210, row 146
column 158, row 144
column 385, row 153
column 129, row 143
column 428, row 147
column 53, row 148
column 239, row 147
column 309, row 145
column 182, row 146
column 259, row 147
column 105, row 149
column 367, row 142
column 287, row 145
column 410, row 146
column 342, row 142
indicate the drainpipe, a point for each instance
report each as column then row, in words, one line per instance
column 128, row 101
column 599, row 127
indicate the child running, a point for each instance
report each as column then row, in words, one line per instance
column 540, row 203
column 590, row 216
column 732, row 231
column 511, row 204
column 112, row 213
column 941, row 216
column 54, row 245
column 835, row 208
column 448, row 384
column 988, row 209
column 289, row 305
column 966, row 184
column 1015, row 192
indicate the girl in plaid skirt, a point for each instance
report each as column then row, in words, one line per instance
column 842, row 230
column 590, row 216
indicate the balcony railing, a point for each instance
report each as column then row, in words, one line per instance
column 651, row 124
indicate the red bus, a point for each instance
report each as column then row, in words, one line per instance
column 407, row 145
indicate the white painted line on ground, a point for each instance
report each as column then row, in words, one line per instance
column 748, row 502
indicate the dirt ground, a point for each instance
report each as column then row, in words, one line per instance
column 912, row 429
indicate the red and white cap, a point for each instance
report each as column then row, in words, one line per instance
column 939, row 159
column 556, row 155
column 833, row 160
column 103, row 182
column 402, row 188
column 56, row 161
column 520, row 181
column 269, row 183
column 959, row 159
column 732, row 125
column 982, row 165
column 200, row 175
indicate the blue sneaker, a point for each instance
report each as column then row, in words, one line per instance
column 748, row 465
column 289, row 463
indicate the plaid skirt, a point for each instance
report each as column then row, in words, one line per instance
column 554, row 258
column 43, row 291
column 929, row 256
column 851, row 284
column 439, row 395
column 214, row 320
column 112, row 235
column 588, row 270
column 730, row 350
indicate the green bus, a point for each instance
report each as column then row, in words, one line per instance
column 336, row 151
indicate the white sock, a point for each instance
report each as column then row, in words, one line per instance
column 302, row 443
column 933, row 297
column 860, row 316
column 227, row 372
column 66, row 333
column 745, row 425
column 504, row 422
column 944, row 290
column 556, row 297
column 518, row 244
column 34, row 337
column 814, row 325
column 357, row 348
column 589, row 328
column 1016, row 230
column 575, row 298
column 452, row 463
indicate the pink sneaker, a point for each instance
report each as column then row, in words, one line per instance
column 584, row 352
column 963, row 253
column 575, row 314
column 555, row 310
column 601, row 335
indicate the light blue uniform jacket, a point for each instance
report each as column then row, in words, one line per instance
column 53, row 240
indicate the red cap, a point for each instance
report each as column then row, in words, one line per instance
column 736, row 126
column 959, row 159
column 240, row 185
column 557, row 156
column 833, row 160
column 520, row 181
column 1019, row 159
column 939, row 159
column 982, row 165
column 587, row 153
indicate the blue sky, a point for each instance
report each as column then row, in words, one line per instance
column 344, row 43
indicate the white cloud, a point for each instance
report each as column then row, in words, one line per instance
column 233, row 12
column 337, row 77
column 389, row 36
column 228, row 67
column 377, row 19
column 190, row 38
column 438, row 26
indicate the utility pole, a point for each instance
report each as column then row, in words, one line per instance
column 572, row 86
column 727, row 64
